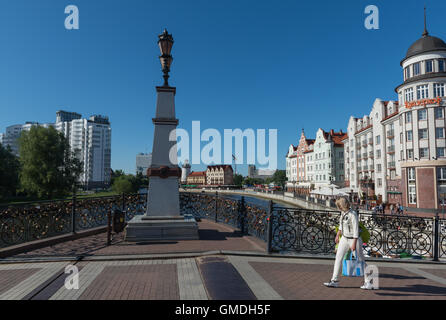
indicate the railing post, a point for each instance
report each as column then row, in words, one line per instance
column 269, row 234
column 73, row 213
column 109, row 218
column 241, row 214
column 436, row 237
column 216, row 206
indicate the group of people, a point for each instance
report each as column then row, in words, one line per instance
column 394, row 209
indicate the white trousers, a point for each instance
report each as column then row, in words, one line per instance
column 344, row 245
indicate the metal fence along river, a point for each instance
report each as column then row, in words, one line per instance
column 284, row 229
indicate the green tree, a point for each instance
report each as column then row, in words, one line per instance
column 280, row 178
column 238, row 179
column 116, row 174
column 123, row 184
column 49, row 168
column 9, row 172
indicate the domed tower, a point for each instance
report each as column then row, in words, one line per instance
column 422, row 121
column 185, row 171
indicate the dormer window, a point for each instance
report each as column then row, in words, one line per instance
column 416, row 69
column 429, row 64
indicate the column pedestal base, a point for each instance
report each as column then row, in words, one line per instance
column 160, row 228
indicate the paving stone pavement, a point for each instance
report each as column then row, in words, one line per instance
column 147, row 272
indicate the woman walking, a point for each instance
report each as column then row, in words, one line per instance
column 348, row 237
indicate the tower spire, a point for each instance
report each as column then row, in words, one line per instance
column 425, row 33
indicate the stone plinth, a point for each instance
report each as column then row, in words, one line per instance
column 159, row 228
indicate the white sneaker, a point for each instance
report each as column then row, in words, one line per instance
column 332, row 284
column 367, row 286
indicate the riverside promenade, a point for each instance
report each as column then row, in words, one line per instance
column 222, row 265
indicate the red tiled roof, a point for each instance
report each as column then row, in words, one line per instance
column 197, row 174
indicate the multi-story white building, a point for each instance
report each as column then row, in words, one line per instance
column 315, row 163
column 90, row 140
column 404, row 140
column 328, row 158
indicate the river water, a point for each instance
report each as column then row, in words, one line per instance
column 259, row 202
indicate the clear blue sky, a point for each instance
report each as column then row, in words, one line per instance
column 237, row 64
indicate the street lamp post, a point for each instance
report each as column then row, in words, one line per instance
column 165, row 44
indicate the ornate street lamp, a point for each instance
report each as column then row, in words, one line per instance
column 165, row 43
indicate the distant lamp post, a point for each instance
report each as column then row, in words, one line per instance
column 165, row 43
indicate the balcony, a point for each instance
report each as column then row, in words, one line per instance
column 371, row 141
column 364, row 143
column 391, row 165
column 391, row 149
column 390, row 134
column 371, row 154
column 358, row 146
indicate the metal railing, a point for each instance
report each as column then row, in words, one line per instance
column 283, row 229
column 299, row 230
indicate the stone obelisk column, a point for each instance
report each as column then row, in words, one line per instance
column 162, row 220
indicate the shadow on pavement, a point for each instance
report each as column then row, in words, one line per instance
column 414, row 290
column 210, row 234
column 399, row 277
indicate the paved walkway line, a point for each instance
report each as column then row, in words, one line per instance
column 261, row 288
column 426, row 275
column 28, row 285
column 190, row 285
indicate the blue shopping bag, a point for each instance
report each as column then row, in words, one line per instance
column 353, row 267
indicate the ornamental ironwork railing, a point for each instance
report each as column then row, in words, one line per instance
column 283, row 229
column 299, row 230
column 43, row 219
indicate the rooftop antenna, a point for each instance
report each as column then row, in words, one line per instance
column 425, row 33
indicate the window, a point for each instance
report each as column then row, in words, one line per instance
column 409, row 154
column 438, row 90
column 409, row 135
column 429, row 65
column 422, row 114
column 408, row 94
column 422, row 134
column 378, row 167
column 409, row 117
column 439, row 133
column 411, row 174
column 422, row 91
column 441, row 173
column 412, row 194
column 407, row 72
column 441, row 66
column 438, row 111
column 378, row 154
column 378, row 140
column 416, row 69
column 424, row 153
column 440, row 152
column 380, row 182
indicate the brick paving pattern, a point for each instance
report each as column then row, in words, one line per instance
column 305, row 281
column 134, row 282
column 11, row 278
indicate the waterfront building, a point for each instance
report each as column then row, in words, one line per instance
column 253, row 172
column 296, row 165
column 196, row 178
column 220, row 175
column 143, row 162
column 398, row 150
column 328, row 152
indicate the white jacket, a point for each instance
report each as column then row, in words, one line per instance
column 349, row 224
